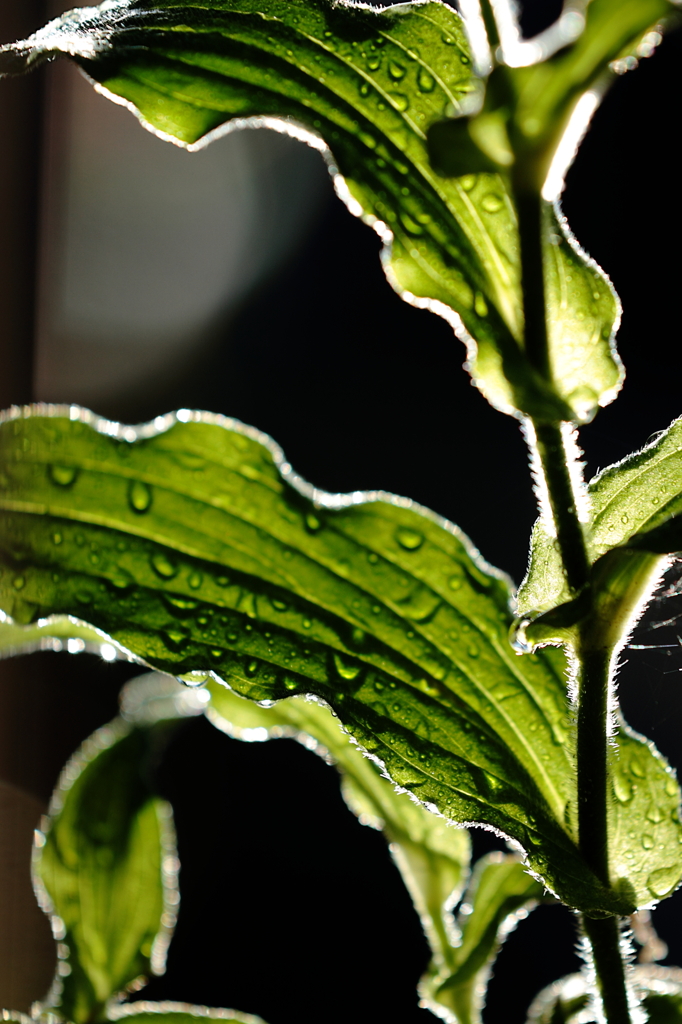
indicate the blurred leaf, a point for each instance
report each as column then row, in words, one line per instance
column 433, row 857
column 566, row 1001
column 614, row 30
column 500, row 893
column 145, row 1012
column 193, row 544
column 635, row 504
column 100, row 863
column 381, row 89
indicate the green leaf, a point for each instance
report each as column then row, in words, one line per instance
column 380, row 88
column 432, row 857
column 167, row 1012
column 566, row 1001
column 192, row 544
column 100, row 868
column 634, row 504
column 500, row 894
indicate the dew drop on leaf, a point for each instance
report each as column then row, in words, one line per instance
column 57, row 537
column 623, row 790
column 396, row 71
column 671, row 786
column 467, row 182
column 312, row 523
column 63, row 476
column 636, row 768
column 279, row 606
column 492, row 203
column 195, row 580
column 653, row 814
column 661, row 882
column 19, row 582
column 647, row 841
column 410, row 540
column 252, row 668
column 139, row 496
column 346, row 669
column 163, row 566
column 425, row 81
column 400, row 101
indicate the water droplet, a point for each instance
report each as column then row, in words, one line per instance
column 425, row 81
column 624, row 519
column 396, row 71
column 19, row 582
column 372, row 558
column 636, row 768
column 467, row 182
column 647, row 841
column 492, row 203
column 473, row 651
column 448, row 40
column 216, row 653
column 139, row 496
column 623, row 789
column 163, row 566
column 368, row 140
column 379, row 686
column 409, row 539
column 57, row 537
column 480, row 305
column 63, row 476
column 654, row 814
column 176, row 637
column 364, row 88
column 358, row 636
column 312, row 523
column 346, row 669
column 400, row 101
column 180, row 602
column 671, row 786
column 252, row 668
column 374, row 62
column 195, row 580
column 279, row 606
column 289, row 683
column 661, row 882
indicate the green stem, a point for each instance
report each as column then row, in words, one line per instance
column 555, row 463
column 592, row 758
column 594, row 658
column 604, row 939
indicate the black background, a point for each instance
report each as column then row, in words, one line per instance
column 291, row 909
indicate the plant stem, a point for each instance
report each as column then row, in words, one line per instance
column 592, row 758
column 604, row 938
column 593, row 657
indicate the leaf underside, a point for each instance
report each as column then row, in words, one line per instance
column 376, row 87
column 193, row 545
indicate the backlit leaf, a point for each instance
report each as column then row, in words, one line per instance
column 192, row 543
column 635, row 504
column 380, row 88
column 99, row 868
column 567, row 1001
column 500, row 893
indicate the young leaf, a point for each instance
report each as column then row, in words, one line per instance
column 635, row 504
column 191, row 543
column 501, row 892
column 380, row 88
column 99, row 871
column 432, row 857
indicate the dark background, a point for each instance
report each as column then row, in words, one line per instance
column 291, row 909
